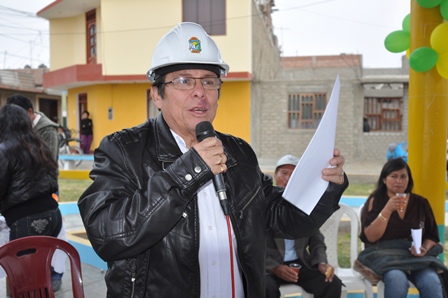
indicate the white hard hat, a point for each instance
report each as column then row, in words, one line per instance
column 186, row 44
column 287, row 160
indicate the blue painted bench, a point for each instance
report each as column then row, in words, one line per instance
column 71, row 159
column 76, row 157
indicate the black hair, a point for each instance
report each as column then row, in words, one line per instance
column 21, row 101
column 159, row 83
column 22, row 142
column 392, row 165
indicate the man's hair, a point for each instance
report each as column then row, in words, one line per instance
column 160, row 85
column 21, row 101
column 160, row 78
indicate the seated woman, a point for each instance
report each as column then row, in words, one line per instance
column 387, row 219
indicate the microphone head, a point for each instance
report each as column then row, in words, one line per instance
column 204, row 130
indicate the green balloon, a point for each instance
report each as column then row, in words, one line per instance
column 397, row 41
column 406, row 24
column 423, row 59
column 429, row 3
column 444, row 9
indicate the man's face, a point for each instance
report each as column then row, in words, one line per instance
column 31, row 114
column 184, row 109
column 282, row 175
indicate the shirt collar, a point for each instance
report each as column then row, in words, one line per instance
column 180, row 142
column 36, row 119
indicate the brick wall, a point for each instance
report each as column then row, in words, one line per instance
column 271, row 137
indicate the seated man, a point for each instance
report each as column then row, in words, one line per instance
column 316, row 276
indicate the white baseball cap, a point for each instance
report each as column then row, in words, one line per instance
column 287, row 160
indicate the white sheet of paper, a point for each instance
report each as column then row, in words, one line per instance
column 306, row 186
column 417, row 239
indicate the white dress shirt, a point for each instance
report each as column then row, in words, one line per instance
column 214, row 257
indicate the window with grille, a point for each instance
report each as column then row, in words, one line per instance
column 91, row 36
column 209, row 14
column 384, row 114
column 305, row 110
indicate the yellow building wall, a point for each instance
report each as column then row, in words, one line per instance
column 67, row 42
column 233, row 115
column 127, row 35
column 133, row 35
column 128, row 102
column 236, row 45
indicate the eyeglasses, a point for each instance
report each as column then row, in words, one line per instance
column 188, row 83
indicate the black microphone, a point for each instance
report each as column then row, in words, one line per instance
column 205, row 130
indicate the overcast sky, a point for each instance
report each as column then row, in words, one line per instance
column 332, row 27
column 303, row 27
column 24, row 38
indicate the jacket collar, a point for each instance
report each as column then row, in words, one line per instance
column 166, row 147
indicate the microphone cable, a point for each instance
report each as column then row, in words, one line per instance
column 232, row 273
column 205, row 130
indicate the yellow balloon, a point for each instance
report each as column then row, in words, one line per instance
column 439, row 38
column 408, row 53
column 442, row 65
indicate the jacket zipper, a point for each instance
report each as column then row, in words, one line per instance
column 133, row 284
column 247, row 204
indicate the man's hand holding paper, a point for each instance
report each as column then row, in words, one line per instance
column 320, row 163
column 335, row 173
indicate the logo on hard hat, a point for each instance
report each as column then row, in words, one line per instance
column 194, row 45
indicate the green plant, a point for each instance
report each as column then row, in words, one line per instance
column 71, row 189
column 359, row 189
column 343, row 252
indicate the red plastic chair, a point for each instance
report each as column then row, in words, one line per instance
column 27, row 263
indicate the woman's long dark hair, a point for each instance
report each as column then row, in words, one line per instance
column 389, row 167
column 22, row 143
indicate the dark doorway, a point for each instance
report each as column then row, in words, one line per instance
column 50, row 108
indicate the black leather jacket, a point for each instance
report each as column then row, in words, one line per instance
column 141, row 214
column 24, row 190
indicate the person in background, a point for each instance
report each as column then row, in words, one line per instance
column 28, row 178
column 86, row 132
column 49, row 133
column 316, row 275
column 387, row 219
column 152, row 211
column 47, row 129
column 366, row 125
